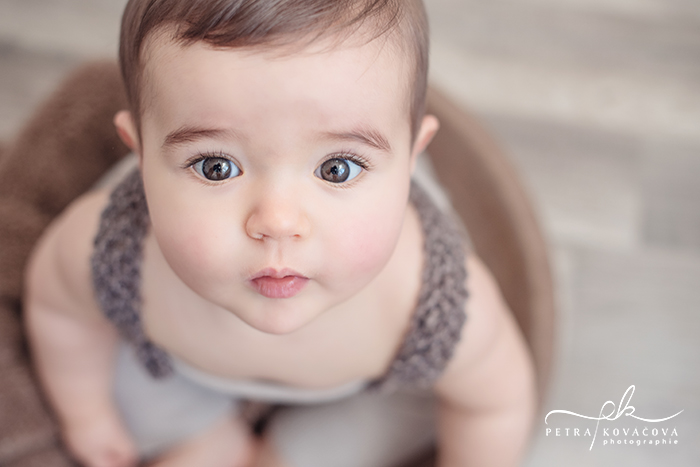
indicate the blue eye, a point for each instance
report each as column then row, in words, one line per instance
column 338, row 170
column 216, row 168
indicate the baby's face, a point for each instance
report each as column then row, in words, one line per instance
column 277, row 184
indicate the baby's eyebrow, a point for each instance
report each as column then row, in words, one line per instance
column 368, row 136
column 189, row 134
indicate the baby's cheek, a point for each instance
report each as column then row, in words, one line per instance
column 194, row 252
column 368, row 246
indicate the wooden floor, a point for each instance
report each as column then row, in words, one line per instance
column 598, row 104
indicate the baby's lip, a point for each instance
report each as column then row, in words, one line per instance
column 277, row 274
column 271, row 283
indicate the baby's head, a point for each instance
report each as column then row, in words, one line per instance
column 276, row 142
column 283, row 26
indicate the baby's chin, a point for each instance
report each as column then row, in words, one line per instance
column 261, row 309
column 288, row 316
column 279, row 318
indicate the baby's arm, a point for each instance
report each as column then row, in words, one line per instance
column 487, row 393
column 72, row 344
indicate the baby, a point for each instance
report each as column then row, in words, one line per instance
column 271, row 246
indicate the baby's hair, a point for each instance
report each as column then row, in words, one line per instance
column 273, row 23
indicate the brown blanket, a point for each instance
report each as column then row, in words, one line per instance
column 68, row 143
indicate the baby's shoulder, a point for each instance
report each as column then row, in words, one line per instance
column 492, row 352
column 58, row 272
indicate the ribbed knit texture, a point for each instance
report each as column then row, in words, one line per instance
column 435, row 327
column 437, row 322
column 116, row 269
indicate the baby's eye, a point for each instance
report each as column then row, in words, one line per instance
column 338, row 170
column 216, row 168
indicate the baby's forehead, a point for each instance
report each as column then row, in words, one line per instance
column 164, row 43
column 333, row 87
column 382, row 54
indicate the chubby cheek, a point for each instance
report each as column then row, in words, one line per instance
column 365, row 245
column 195, row 248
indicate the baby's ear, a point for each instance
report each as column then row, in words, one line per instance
column 429, row 126
column 126, row 128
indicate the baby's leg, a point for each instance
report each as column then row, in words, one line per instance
column 229, row 443
column 366, row 430
column 175, row 421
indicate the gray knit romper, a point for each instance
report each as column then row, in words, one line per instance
column 429, row 344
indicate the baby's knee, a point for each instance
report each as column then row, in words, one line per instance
column 267, row 455
column 228, row 443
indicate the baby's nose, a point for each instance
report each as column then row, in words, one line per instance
column 278, row 216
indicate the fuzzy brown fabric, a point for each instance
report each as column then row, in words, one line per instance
column 52, row 456
column 68, row 143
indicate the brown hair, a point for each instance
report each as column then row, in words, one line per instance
column 247, row 23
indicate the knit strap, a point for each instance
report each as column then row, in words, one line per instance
column 437, row 321
column 116, row 269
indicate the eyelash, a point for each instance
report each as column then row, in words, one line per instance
column 347, row 155
column 357, row 159
column 207, row 155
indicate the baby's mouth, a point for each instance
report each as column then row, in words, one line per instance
column 271, row 283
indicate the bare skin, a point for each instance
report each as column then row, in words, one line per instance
column 276, row 119
column 490, row 333
column 56, row 312
column 228, row 443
